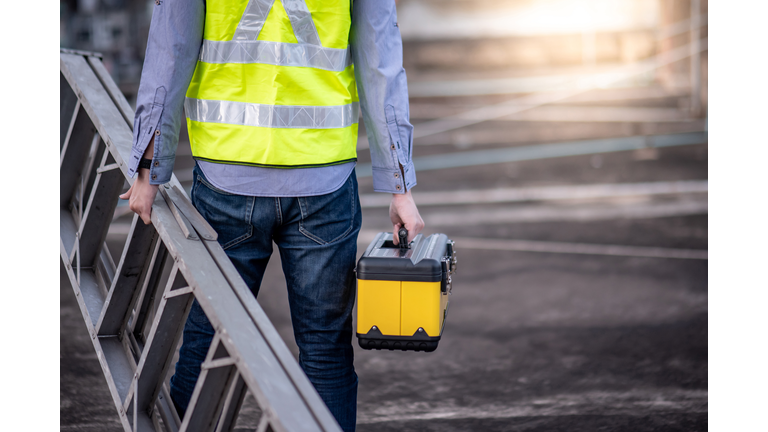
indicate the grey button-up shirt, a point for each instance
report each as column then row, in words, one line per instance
column 173, row 47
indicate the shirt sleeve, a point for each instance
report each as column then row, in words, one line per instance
column 173, row 46
column 377, row 52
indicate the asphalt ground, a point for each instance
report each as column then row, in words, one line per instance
column 533, row 341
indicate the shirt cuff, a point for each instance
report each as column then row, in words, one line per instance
column 159, row 173
column 391, row 180
column 145, row 127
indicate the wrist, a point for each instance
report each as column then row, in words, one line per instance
column 142, row 174
column 403, row 196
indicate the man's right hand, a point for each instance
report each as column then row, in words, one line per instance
column 403, row 213
column 141, row 195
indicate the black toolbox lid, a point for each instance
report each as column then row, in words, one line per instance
column 383, row 260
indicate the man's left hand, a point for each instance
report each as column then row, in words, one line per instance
column 141, row 195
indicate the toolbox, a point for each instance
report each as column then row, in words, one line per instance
column 403, row 291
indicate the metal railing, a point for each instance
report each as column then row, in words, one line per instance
column 135, row 307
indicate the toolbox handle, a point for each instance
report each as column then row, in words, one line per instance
column 402, row 235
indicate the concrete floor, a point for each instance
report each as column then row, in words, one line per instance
column 533, row 341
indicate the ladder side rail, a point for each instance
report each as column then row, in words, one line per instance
column 68, row 105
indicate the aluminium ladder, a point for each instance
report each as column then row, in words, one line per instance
column 135, row 307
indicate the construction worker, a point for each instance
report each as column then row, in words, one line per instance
column 272, row 91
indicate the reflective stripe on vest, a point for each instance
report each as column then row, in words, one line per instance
column 272, row 116
column 275, row 53
column 259, row 98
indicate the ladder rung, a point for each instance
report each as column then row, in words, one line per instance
column 98, row 214
column 232, row 404
column 164, row 335
column 120, row 367
column 129, row 273
column 76, row 148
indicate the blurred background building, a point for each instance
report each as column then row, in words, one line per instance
column 529, row 38
column 115, row 28
column 449, row 39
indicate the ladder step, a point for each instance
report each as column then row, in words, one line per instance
column 232, row 405
column 120, row 367
column 68, row 104
column 98, row 213
column 76, row 147
column 217, row 374
column 164, row 335
column 130, row 271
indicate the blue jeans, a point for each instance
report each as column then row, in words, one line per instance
column 317, row 239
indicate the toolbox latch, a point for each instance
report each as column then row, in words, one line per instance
column 448, row 264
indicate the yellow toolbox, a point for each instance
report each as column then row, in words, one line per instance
column 402, row 292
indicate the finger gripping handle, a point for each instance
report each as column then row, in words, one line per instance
column 402, row 235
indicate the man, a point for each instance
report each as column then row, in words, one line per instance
column 271, row 90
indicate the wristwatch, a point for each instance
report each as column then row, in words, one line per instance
column 145, row 163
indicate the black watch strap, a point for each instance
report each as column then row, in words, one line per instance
column 145, row 163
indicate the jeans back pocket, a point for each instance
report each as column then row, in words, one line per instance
column 331, row 217
column 229, row 214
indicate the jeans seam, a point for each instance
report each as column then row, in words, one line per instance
column 192, row 191
column 323, row 242
column 301, row 207
column 352, row 196
column 247, row 220
column 279, row 211
column 306, row 233
column 249, row 214
column 240, row 239
column 311, row 236
column 214, row 188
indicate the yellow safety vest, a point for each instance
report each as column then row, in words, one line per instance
column 274, row 84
